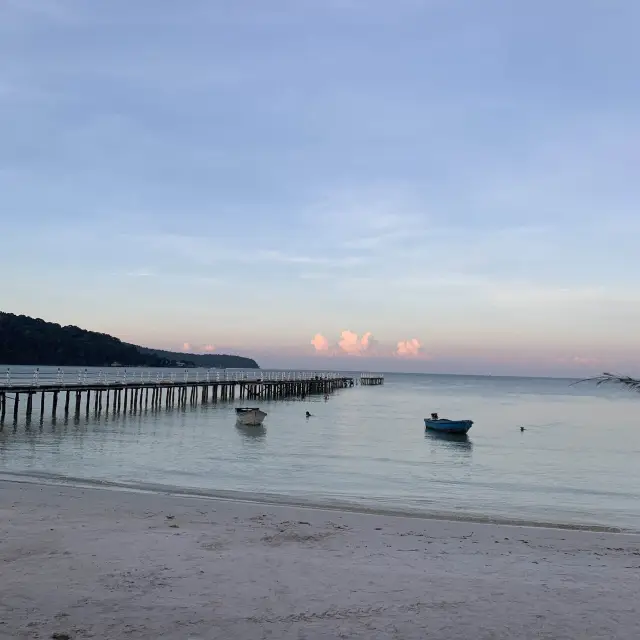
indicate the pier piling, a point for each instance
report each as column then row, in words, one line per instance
column 29, row 404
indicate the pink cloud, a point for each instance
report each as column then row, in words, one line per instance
column 320, row 342
column 409, row 348
column 367, row 340
column 186, row 346
column 352, row 344
column 580, row 361
column 209, row 347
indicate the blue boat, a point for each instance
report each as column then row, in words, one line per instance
column 447, row 426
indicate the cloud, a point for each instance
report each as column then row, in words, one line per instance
column 320, row 342
column 382, row 238
column 409, row 348
column 368, row 341
column 207, row 250
column 186, row 346
column 525, row 294
column 580, row 361
column 141, row 273
column 352, row 344
column 279, row 256
column 209, row 347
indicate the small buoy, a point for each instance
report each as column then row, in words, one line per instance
column 521, row 429
column 308, row 415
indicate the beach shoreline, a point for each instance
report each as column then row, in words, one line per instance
column 96, row 563
column 309, row 502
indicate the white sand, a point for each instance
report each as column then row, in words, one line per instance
column 96, row 563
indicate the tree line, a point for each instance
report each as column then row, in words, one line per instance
column 32, row 341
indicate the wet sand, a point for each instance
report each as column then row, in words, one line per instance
column 97, row 563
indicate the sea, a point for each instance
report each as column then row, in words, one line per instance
column 576, row 464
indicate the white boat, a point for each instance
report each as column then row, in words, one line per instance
column 252, row 417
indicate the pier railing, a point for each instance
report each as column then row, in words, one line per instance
column 133, row 390
column 114, row 376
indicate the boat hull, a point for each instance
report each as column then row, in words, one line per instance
column 448, row 426
column 251, row 417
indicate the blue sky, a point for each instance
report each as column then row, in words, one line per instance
column 456, row 181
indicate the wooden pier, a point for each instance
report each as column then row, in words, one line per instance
column 100, row 394
column 371, row 379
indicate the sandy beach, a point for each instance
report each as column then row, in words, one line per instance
column 96, row 563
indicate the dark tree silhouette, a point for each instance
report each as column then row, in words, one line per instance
column 32, row 341
column 206, row 360
column 633, row 384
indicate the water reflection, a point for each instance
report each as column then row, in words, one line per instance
column 251, row 434
column 451, row 441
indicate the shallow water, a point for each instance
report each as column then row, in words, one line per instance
column 577, row 462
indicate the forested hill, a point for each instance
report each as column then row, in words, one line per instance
column 32, row 341
column 206, row 360
column 25, row 340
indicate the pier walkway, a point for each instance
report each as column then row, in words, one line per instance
column 122, row 390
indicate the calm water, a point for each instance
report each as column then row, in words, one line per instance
column 577, row 462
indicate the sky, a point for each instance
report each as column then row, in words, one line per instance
column 417, row 185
